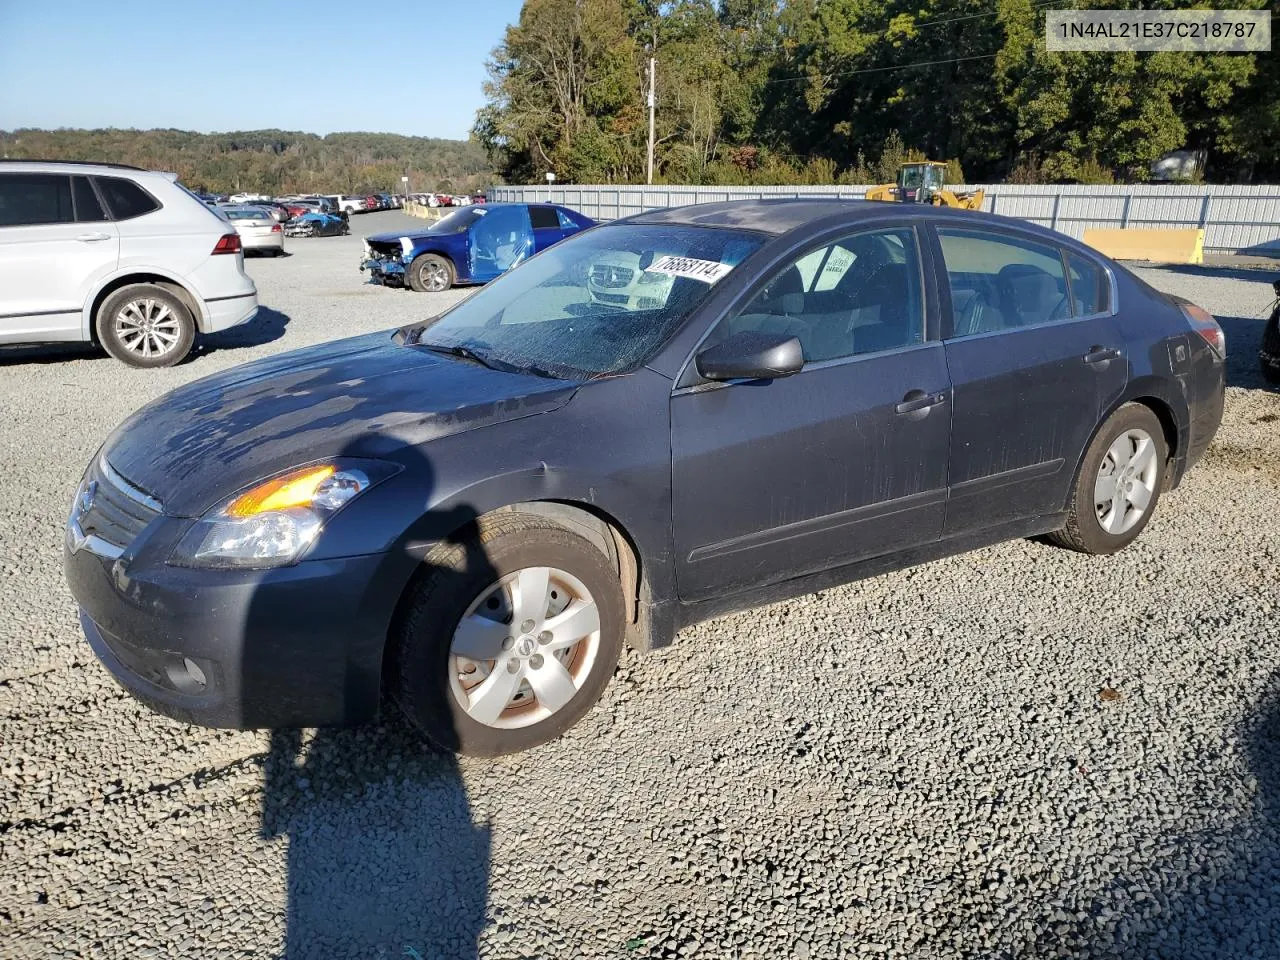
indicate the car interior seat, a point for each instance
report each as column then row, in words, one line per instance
column 1030, row 295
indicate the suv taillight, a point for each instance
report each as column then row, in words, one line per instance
column 1202, row 322
column 227, row 243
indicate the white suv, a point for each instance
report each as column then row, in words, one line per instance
column 118, row 256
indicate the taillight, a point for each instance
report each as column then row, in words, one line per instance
column 227, row 243
column 1202, row 322
column 275, row 228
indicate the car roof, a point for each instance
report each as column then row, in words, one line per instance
column 90, row 167
column 784, row 214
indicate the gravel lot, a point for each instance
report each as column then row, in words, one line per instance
column 923, row 765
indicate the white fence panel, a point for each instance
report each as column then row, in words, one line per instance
column 1239, row 219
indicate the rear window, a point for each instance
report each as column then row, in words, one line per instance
column 248, row 215
column 28, row 199
column 125, row 199
column 544, row 218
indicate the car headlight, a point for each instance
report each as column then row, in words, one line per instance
column 275, row 522
column 406, row 246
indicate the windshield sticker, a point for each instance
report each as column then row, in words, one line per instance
column 708, row 271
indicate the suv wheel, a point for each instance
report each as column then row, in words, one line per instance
column 143, row 325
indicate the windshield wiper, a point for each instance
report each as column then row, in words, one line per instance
column 465, row 353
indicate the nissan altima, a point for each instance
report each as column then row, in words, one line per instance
column 470, row 516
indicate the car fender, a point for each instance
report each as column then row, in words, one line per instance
column 454, row 250
column 193, row 296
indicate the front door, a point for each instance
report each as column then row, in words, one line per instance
column 846, row 459
column 1032, row 366
column 499, row 240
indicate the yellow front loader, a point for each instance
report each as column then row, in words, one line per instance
column 925, row 182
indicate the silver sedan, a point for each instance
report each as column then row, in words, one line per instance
column 257, row 228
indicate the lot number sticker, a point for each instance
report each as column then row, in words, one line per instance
column 708, row 271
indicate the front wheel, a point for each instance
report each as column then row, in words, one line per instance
column 1119, row 483
column 430, row 273
column 1269, row 355
column 508, row 638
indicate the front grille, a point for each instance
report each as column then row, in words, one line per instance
column 606, row 275
column 620, row 299
column 111, row 508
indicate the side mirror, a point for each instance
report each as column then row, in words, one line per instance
column 751, row 355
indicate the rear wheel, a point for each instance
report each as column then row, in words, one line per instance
column 508, row 639
column 430, row 273
column 1119, row 483
column 144, row 325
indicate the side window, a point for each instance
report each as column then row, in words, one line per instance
column 566, row 222
column 858, row 295
column 544, row 218
column 125, row 199
column 88, row 209
column 28, row 199
column 1001, row 283
column 1090, row 290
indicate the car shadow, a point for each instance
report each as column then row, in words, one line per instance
column 1244, row 339
column 383, row 857
column 267, row 327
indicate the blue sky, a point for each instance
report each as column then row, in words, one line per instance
column 319, row 66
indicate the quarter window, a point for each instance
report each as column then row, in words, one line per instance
column 566, row 222
column 125, row 199
column 88, row 209
column 1001, row 283
column 1090, row 291
column 858, row 295
column 28, row 199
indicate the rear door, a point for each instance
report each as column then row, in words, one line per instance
column 56, row 243
column 1032, row 368
column 844, row 460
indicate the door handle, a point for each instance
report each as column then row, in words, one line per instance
column 1101, row 354
column 93, row 237
column 916, row 401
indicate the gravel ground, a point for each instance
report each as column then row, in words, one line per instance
column 1020, row 752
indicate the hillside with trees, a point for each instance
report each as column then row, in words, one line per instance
column 815, row 91
column 271, row 161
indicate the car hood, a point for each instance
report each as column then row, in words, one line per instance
column 367, row 396
column 415, row 235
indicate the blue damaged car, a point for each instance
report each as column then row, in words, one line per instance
column 471, row 245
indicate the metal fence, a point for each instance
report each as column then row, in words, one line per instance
column 1235, row 219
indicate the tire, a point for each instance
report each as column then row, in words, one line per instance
column 1269, row 355
column 125, row 313
column 431, row 273
column 440, row 691
column 1090, row 529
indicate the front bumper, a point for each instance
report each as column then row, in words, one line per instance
column 296, row 646
column 383, row 270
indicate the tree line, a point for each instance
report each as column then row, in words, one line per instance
column 270, row 161
column 822, row 91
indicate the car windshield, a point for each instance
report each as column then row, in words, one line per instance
column 598, row 303
column 457, row 221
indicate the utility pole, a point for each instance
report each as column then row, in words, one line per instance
column 652, row 101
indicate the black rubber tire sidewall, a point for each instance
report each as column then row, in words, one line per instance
column 1083, row 531
column 438, row 600
column 105, row 328
column 415, row 270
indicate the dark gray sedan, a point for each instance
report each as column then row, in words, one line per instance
column 471, row 516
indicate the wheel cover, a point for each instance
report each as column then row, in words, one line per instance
column 147, row 327
column 524, row 648
column 434, row 275
column 1126, row 481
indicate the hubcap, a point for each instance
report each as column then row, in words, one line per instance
column 435, row 277
column 147, row 327
column 524, row 647
column 1126, row 481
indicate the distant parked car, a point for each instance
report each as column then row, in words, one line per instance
column 317, row 224
column 473, row 245
column 248, row 197
column 346, row 203
column 258, row 230
column 118, row 256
